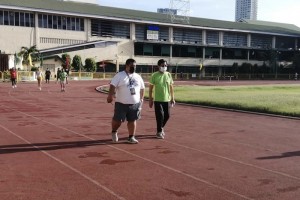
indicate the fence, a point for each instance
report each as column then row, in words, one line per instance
column 30, row 76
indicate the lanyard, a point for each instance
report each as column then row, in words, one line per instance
column 130, row 79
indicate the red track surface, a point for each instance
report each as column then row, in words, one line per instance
column 57, row 146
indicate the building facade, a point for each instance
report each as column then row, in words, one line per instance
column 245, row 9
column 114, row 35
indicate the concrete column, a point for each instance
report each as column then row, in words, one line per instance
column 221, row 38
column 132, row 31
column 248, row 55
column 274, row 42
column 249, row 40
column 204, row 37
column 88, row 30
column 36, row 35
column 171, row 39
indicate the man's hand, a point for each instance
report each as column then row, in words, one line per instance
column 151, row 102
column 173, row 102
column 109, row 99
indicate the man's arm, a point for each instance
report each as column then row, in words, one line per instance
column 142, row 94
column 150, row 95
column 111, row 93
column 172, row 94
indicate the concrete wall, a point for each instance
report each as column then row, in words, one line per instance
column 13, row 38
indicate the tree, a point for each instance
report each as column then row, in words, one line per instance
column 66, row 61
column 77, row 64
column 296, row 62
column 90, row 65
column 235, row 68
column 29, row 55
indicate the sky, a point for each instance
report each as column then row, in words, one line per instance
column 284, row 11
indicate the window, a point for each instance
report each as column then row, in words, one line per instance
column 45, row 21
column 212, row 38
column 17, row 19
column 27, row 20
column 54, row 22
column 59, row 24
column 32, row 20
column 6, row 19
column 1, row 17
column 103, row 28
column 81, row 24
column 50, row 21
column 189, row 36
column 69, row 23
column 22, row 19
column 11, row 18
column 147, row 49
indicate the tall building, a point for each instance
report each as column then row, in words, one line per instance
column 246, row 9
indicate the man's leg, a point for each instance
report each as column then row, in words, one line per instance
column 115, row 125
column 159, row 115
column 131, row 128
column 166, row 111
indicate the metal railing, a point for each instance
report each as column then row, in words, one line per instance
column 30, row 76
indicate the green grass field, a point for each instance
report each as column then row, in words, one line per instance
column 272, row 99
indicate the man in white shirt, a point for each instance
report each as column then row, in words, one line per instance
column 128, row 88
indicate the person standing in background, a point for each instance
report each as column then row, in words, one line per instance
column 39, row 76
column 13, row 77
column 58, row 74
column 63, row 77
column 47, row 75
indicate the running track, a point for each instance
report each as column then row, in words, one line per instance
column 57, row 146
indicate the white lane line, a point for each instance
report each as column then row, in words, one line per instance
column 145, row 159
column 66, row 165
column 204, row 152
column 208, row 153
column 235, row 161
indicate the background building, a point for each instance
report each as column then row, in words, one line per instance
column 246, row 9
column 203, row 47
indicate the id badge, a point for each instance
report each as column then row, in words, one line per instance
column 132, row 91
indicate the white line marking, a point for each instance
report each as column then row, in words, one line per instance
column 66, row 165
column 137, row 156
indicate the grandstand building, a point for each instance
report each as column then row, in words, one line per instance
column 115, row 34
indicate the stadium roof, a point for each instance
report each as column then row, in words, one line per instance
column 274, row 24
column 97, row 11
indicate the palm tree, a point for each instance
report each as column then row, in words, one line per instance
column 29, row 54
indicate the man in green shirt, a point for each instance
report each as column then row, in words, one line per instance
column 161, row 84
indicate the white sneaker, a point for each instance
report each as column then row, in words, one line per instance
column 40, row 88
column 160, row 135
column 15, row 86
column 132, row 140
column 114, row 136
column 163, row 132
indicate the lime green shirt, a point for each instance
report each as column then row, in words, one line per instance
column 161, row 83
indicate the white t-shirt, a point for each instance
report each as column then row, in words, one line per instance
column 38, row 74
column 121, row 82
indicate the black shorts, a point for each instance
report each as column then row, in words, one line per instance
column 130, row 112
